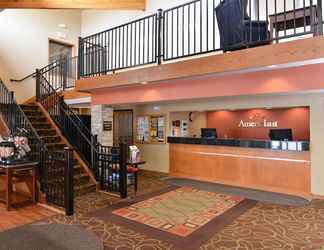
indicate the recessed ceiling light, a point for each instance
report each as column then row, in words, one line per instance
column 62, row 25
column 144, row 83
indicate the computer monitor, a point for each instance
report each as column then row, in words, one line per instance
column 281, row 134
column 208, row 133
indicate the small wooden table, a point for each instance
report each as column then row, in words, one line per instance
column 17, row 173
column 293, row 19
column 132, row 167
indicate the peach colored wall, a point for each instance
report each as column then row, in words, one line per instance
column 272, row 81
column 227, row 122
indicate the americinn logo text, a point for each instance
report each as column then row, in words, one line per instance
column 256, row 121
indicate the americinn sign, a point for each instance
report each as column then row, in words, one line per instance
column 255, row 121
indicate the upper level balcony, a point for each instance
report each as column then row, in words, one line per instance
column 202, row 31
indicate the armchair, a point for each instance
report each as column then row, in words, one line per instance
column 236, row 29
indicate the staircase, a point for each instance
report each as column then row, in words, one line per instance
column 72, row 162
column 49, row 134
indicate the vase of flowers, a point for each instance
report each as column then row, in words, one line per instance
column 14, row 147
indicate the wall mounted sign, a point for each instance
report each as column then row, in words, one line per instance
column 107, row 126
column 256, row 121
column 258, row 124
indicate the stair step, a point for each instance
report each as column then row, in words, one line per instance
column 78, row 169
column 52, row 146
column 33, row 113
column 51, row 139
column 84, row 189
column 46, row 132
column 80, row 179
column 43, row 125
column 36, row 119
column 55, row 147
column 29, row 107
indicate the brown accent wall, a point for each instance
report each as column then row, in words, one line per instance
column 227, row 122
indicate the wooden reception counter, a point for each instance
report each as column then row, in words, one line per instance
column 275, row 166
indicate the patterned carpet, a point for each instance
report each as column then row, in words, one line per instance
column 181, row 211
column 265, row 226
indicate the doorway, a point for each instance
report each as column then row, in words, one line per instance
column 59, row 50
column 123, row 127
column 61, row 54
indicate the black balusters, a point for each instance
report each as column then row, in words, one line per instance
column 68, row 182
column 123, row 170
column 192, row 29
column 124, row 46
column 55, row 170
column 106, row 163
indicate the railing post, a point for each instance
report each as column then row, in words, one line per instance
column 38, row 85
column 80, row 58
column 94, row 141
column 319, row 18
column 64, row 67
column 13, row 117
column 41, row 166
column 160, row 36
column 68, row 182
column 123, row 171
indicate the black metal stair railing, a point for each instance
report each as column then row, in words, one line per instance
column 109, row 168
column 55, row 169
column 71, row 125
column 62, row 73
column 15, row 119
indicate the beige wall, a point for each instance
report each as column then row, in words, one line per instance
column 157, row 156
column 199, row 120
column 94, row 21
column 24, row 38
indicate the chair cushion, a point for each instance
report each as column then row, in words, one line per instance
column 132, row 169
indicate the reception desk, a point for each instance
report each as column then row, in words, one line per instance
column 275, row 166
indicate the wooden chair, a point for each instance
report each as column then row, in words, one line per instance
column 132, row 168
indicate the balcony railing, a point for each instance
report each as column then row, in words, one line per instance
column 198, row 27
column 128, row 45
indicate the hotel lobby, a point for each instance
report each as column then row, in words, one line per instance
column 147, row 124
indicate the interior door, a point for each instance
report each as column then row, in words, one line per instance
column 123, row 127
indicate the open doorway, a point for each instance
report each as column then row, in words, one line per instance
column 59, row 50
column 63, row 53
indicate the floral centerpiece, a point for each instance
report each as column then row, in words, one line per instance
column 14, row 147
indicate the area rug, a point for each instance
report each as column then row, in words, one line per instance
column 184, row 217
column 49, row 237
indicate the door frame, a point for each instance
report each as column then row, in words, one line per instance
column 62, row 42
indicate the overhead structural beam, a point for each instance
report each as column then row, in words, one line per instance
column 74, row 4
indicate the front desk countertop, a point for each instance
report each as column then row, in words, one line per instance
column 243, row 143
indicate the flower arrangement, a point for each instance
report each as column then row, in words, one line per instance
column 14, row 147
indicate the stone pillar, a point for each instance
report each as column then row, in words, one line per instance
column 103, row 116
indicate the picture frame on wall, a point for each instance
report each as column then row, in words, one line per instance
column 151, row 129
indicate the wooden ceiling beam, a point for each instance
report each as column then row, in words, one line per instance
column 74, row 4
